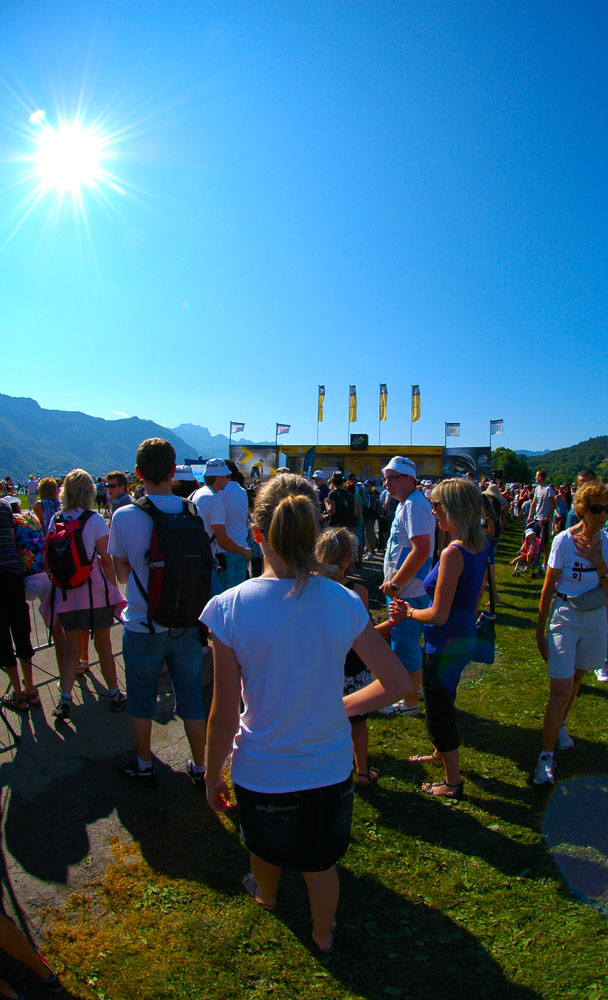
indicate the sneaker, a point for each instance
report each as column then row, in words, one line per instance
column 564, row 739
column 602, row 674
column 545, row 771
column 118, row 702
column 196, row 779
column 404, row 709
column 132, row 770
column 388, row 710
column 63, row 710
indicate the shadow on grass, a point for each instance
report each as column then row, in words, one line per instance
column 388, row 945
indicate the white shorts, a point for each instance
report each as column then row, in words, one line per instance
column 576, row 639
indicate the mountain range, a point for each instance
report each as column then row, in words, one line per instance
column 51, row 442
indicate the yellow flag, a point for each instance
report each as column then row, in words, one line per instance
column 383, row 400
column 415, row 403
column 321, row 404
column 352, row 404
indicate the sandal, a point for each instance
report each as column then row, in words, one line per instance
column 82, row 669
column 426, row 758
column 456, row 791
column 365, row 778
column 252, row 889
column 33, row 700
column 17, row 703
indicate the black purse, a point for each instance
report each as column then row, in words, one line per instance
column 485, row 627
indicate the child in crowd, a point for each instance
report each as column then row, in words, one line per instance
column 528, row 553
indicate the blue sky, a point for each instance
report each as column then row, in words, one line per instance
column 305, row 193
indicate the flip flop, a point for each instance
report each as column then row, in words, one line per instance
column 426, row 758
column 372, row 774
column 33, row 700
column 455, row 793
column 252, row 889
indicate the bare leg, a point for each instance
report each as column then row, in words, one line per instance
column 142, row 732
column 360, row 740
column 14, row 942
column 28, row 676
column 59, row 640
column 69, row 663
column 103, row 645
column 267, row 877
column 451, row 765
column 84, row 645
column 576, row 683
column 560, row 697
column 195, row 731
column 412, row 701
column 13, row 676
column 323, row 893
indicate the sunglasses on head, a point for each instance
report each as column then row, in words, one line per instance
column 598, row 508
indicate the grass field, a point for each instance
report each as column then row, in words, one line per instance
column 439, row 899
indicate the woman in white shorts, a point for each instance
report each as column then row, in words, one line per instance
column 574, row 600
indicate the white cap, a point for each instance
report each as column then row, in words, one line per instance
column 405, row 466
column 216, row 467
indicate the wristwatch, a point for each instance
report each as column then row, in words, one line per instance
column 393, row 586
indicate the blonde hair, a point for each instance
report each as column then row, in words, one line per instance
column 334, row 546
column 48, row 489
column 286, row 513
column 586, row 494
column 78, row 490
column 461, row 500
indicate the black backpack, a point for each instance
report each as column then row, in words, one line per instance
column 180, row 564
column 344, row 515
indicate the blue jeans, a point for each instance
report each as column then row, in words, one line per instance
column 145, row 655
column 406, row 635
column 235, row 572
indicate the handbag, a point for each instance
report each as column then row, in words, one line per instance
column 590, row 601
column 485, row 627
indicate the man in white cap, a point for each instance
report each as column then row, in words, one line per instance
column 407, row 561
column 211, row 508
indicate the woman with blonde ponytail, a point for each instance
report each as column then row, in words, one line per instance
column 279, row 645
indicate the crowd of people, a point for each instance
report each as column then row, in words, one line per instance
column 265, row 572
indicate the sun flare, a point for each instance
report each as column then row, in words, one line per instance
column 69, row 158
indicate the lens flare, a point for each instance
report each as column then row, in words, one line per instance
column 69, row 158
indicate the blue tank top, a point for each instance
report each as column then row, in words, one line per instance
column 461, row 619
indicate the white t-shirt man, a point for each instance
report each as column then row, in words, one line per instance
column 130, row 534
column 413, row 517
column 211, row 508
column 236, row 509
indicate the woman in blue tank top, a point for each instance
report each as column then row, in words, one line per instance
column 455, row 586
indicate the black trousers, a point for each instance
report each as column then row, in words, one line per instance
column 14, row 620
column 439, row 698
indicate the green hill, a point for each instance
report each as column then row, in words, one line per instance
column 51, row 442
column 563, row 464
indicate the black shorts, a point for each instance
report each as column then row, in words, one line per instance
column 307, row 831
column 102, row 618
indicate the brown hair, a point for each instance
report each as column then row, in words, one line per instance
column 155, row 459
column 48, row 488
column 120, row 478
column 286, row 513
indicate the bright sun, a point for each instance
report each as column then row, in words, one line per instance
column 69, row 158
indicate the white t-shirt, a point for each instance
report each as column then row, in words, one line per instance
column 412, row 517
column 236, row 507
column 544, row 507
column 211, row 508
column 293, row 732
column 578, row 575
column 94, row 528
column 130, row 534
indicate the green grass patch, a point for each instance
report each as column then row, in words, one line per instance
column 439, row 899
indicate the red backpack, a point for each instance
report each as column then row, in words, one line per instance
column 65, row 555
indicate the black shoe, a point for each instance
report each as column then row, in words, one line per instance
column 63, row 710
column 132, row 770
column 118, row 703
column 196, row 779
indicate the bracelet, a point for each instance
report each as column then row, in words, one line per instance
column 389, row 621
column 410, row 613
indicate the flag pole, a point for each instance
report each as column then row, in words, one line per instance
column 230, row 441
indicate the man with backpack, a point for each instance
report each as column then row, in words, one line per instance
column 161, row 550
column 340, row 504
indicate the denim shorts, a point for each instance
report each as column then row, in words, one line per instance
column 235, row 572
column 406, row 636
column 144, row 657
column 307, row 831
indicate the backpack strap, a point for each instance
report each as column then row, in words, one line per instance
column 145, row 504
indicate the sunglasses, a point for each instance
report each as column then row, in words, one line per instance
column 113, row 486
column 399, row 475
column 598, row 508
